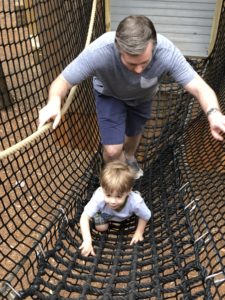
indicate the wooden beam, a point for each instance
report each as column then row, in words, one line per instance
column 215, row 25
column 107, row 15
column 5, row 98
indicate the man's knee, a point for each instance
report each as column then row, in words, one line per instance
column 112, row 152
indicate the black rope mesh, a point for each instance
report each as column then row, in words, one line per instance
column 45, row 185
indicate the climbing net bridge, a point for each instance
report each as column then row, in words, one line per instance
column 48, row 176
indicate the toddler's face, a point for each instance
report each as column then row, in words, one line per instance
column 115, row 200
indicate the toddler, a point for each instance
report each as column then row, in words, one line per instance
column 114, row 200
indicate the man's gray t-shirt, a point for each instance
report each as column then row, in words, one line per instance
column 101, row 60
column 134, row 205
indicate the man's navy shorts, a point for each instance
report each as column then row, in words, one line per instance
column 117, row 119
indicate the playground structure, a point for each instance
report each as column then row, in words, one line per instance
column 48, row 176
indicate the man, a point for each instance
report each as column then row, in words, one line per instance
column 126, row 67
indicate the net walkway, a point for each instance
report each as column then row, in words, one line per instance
column 47, row 179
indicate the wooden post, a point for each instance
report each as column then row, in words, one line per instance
column 215, row 25
column 107, row 15
column 20, row 13
column 5, row 98
column 33, row 30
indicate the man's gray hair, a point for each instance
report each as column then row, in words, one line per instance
column 134, row 33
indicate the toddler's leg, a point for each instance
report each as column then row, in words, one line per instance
column 102, row 227
column 100, row 223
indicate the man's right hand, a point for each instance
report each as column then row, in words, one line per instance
column 51, row 111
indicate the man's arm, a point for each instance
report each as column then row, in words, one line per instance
column 209, row 104
column 58, row 91
column 86, row 247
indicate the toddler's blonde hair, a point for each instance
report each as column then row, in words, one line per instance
column 117, row 176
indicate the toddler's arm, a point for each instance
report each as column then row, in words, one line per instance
column 138, row 235
column 86, row 247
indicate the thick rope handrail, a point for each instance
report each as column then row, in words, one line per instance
column 40, row 131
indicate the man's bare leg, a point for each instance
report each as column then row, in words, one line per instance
column 125, row 153
column 120, row 151
column 131, row 145
column 113, row 152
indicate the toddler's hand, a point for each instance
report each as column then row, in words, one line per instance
column 137, row 237
column 87, row 249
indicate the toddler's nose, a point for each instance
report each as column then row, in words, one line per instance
column 113, row 200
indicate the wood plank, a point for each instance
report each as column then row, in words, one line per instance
column 174, row 29
column 167, row 2
column 195, row 30
column 165, row 5
column 162, row 12
column 191, row 47
column 187, row 38
column 168, row 21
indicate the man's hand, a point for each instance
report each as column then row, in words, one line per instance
column 87, row 248
column 58, row 91
column 217, row 125
column 208, row 100
column 51, row 111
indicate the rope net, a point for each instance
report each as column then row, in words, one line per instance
column 46, row 182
